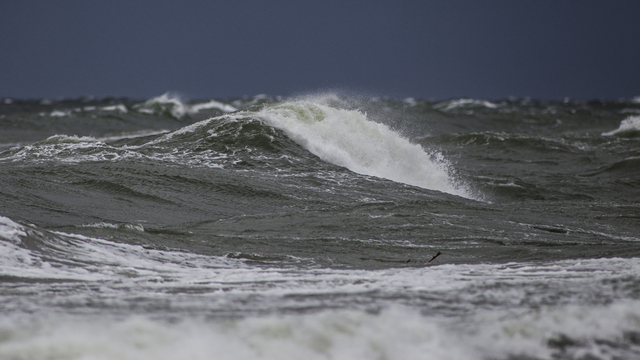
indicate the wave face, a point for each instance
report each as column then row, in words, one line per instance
column 347, row 138
column 272, row 228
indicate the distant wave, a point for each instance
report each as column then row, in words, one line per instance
column 174, row 106
column 629, row 127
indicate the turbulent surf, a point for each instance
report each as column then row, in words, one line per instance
column 274, row 228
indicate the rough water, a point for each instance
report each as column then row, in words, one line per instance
column 302, row 228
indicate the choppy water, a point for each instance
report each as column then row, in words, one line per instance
column 301, row 228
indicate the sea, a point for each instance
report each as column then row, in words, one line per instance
column 328, row 225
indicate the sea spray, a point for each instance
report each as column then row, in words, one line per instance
column 348, row 138
column 629, row 127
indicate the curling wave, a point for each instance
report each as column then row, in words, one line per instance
column 348, row 138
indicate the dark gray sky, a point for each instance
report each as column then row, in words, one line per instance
column 217, row 49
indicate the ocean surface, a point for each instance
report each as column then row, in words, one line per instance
column 303, row 228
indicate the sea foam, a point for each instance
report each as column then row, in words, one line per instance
column 394, row 333
column 10, row 230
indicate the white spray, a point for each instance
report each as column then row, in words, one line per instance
column 348, row 138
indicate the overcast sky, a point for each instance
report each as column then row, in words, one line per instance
column 219, row 49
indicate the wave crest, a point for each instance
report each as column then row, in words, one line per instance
column 348, row 138
column 629, row 127
column 176, row 108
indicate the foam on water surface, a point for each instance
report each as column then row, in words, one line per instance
column 197, row 306
column 394, row 333
column 10, row 230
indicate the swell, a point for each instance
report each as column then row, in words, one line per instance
column 628, row 168
column 289, row 135
column 521, row 149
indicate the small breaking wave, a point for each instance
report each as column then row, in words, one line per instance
column 629, row 127
column 464, row 104
column 104, row 225
column 176, row 108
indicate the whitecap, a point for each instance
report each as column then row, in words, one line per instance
column 348, row 138
column 119, row 108
column 178, row 108
column 462, row 103
column 212, row 105
column 628, row 126
column 105, row 225
column 58, row 113
column 10, row 230
column 166, row 102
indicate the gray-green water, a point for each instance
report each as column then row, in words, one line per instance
column 301, row 228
